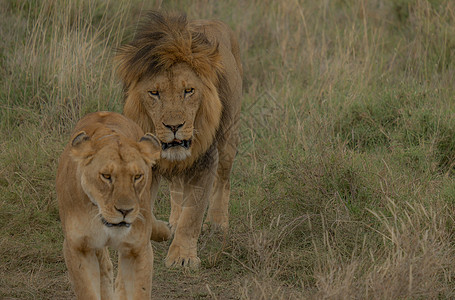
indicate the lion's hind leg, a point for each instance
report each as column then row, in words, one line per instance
column 218, row 212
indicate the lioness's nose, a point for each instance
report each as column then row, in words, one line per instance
column 174, row 128
column 124, row 211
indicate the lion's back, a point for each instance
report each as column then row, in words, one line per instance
column 219, row 32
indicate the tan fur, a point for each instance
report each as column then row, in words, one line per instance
column 105, row 173
column 183, row 82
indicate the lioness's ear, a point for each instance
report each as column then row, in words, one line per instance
column 150, row 147
column 79, row 138
column 81, row 146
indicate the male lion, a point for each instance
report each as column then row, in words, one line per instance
column 103, row 189
column 183, row 82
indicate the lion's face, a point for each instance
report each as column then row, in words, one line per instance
column 113, row 174
column 174, row 79
column 172, row 100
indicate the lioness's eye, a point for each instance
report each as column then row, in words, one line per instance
column 137, row 176
column 153, row 93
column 189, row 91
column 106, row 176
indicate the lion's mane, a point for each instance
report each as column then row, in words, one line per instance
column 161, row 42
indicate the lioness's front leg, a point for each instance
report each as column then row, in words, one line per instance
column 84, row 271
column 134, row 279
column 106, row 274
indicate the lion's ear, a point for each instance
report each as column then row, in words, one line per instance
column 150, row 147
column 81, row 147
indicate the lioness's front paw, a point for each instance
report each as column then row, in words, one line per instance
column 178, row 257
column 161, row 231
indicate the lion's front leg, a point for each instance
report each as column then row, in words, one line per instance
column 134, row 279
column 183, row 249
column 84, row 271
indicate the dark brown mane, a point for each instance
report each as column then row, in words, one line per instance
column 162, row 41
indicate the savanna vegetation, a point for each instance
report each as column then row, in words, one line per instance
column 343, row 186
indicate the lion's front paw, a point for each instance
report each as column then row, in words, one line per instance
column 161, row 231
column 178, row 257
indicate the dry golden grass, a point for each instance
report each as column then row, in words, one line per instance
column 343, row 186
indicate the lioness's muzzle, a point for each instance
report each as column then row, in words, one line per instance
column 121, row 224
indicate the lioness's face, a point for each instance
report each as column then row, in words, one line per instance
column 114, row 177
column 172, row 99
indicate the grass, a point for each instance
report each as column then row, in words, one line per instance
column 343, row 186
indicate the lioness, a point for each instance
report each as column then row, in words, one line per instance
column 103, row 189
column 183, row 82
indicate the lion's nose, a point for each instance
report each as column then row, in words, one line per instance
column 174, row 128
column 124, row 211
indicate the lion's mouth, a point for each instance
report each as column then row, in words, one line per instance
column 182, row 143
column 121, row 224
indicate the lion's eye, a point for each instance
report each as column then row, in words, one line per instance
column 189, row 91
column 106, row 176
column 154, row 93
column 137, row 177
